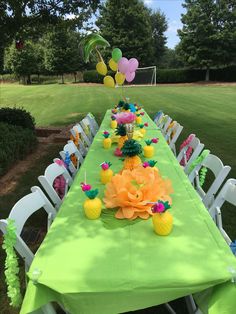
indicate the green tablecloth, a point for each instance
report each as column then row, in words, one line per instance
column 112, row 266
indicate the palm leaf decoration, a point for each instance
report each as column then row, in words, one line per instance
column 91, row 43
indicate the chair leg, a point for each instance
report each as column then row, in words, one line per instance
column 169, row 308
column 191, row 305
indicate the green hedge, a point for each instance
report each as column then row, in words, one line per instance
column 17, row 116
column 15, row 143
column 227, row 74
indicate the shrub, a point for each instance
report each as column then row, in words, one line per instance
column 17, row 116
column 15, row 143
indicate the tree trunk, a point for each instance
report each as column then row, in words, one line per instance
column 75, row 75
column 62, row 78
column 207, row 74
column 28, row 79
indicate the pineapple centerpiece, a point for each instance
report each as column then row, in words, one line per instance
column 131, row 151
column 148, row 150
column 93, row 204
column 113, row 123
column 150, row 163
column 142, row 129
column 106, row 173
column 162, row 219
column 107, row 140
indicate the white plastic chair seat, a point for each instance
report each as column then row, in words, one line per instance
column 172, row 136
column 72, row 149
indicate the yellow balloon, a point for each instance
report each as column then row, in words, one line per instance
column 120, row 78
column 101, row 68
column 113, row 65
column 109, row 81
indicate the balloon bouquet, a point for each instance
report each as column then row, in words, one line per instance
column 124, row 68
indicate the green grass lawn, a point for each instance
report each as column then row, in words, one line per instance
column 207, row 111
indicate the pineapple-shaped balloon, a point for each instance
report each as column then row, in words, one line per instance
column 93, row 204
column 162, row 218
column 131, row 151
column 106, row 173
column 120, row 130
column 113, row 123
column 107, row 140
column 148, row 150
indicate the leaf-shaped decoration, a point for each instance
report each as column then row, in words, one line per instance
column 91, row 42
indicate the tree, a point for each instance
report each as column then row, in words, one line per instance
column 127, row 25
column 159, row 27
column 61, row 52
column 21, row 18
column 22, row 62
column 171, row 59
column 208, row 37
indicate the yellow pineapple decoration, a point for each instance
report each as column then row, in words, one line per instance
column 113, row 123
column 162, row 219
column 106, row 173
column 93, row 204
column 142, row 129
column 149, row 150
column 107, row 141
column 138, row 118
column 150, row 163
column 130, row 151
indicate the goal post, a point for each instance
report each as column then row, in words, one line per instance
column 145, row 76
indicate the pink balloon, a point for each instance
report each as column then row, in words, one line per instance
column 123, row 65
column 133, row 64
column 129, row 76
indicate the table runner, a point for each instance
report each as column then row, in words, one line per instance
column 113, row 266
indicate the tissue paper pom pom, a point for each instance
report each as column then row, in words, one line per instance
column 132, row 192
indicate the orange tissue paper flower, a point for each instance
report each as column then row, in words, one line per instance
column 131, row 192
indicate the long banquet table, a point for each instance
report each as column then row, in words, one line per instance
column 113, row 266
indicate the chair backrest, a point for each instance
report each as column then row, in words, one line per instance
column 88, row 128
column 172, row 135
column 21, row 211
column 93, row 122
column 166, row 120
column 197, row 148
column 220, row 172
column 86, row 141
column 158, row 117
column 72, row 149
column 82, row 146
column 227, row 194
column 51, row 173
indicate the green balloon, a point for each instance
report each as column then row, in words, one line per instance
column 116, row 54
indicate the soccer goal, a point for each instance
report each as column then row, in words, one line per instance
column 144, row 76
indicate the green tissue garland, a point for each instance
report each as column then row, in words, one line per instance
column 11, row 265
column 198, row 160
column 202, row 176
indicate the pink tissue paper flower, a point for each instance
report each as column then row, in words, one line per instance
column 158, row 208
column 155, row 140
column 146, row 124
column 85, row 187
column 125, row 117
column 145, row 164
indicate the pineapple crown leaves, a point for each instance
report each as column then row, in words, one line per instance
column 152, row 163
column 148, row 142
column 120, row 130
column 126, row 106
column 91, row 194
column 141, row 126
column 106, row 134
column 131, row 148
column 120, row 104
column 160, row 207
column 153, row 140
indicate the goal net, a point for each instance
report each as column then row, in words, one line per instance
column 144, row 76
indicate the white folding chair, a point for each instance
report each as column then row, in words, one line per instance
column 82, row 146
column 158, row 117
column 172, row 135
column 72, row 149
column 165, row 122
column 93, row 123
column 197, row 148
column 84, row 138
column 88, row 128
column 51, row 173
column 227, row 194
column 220, row 172
column 20, row 213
